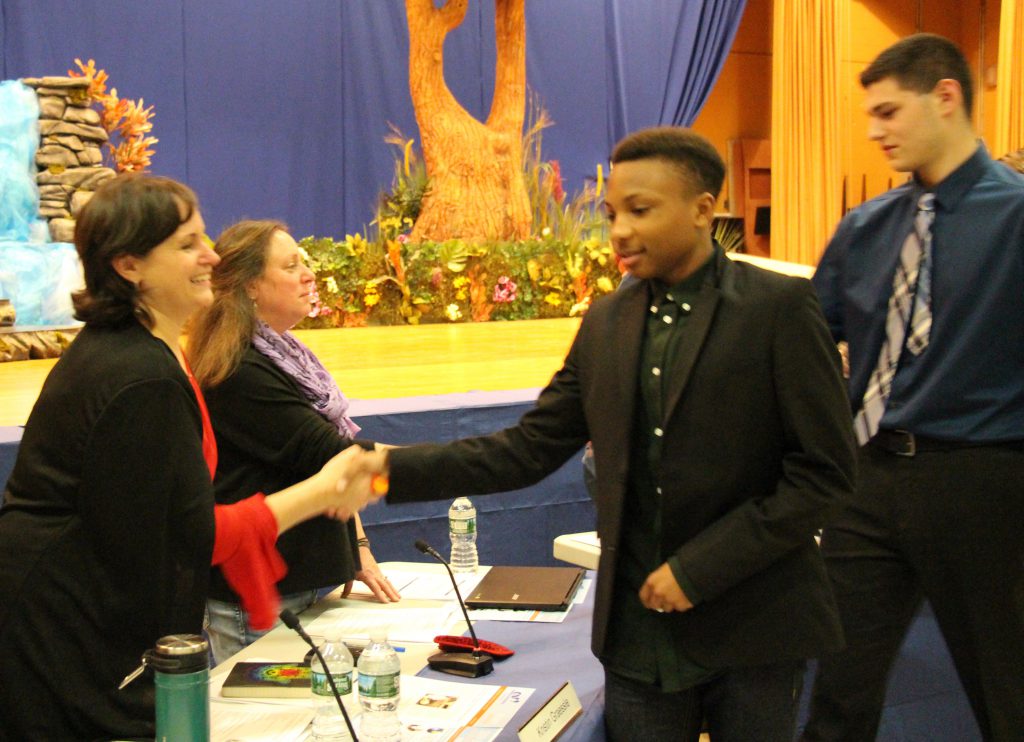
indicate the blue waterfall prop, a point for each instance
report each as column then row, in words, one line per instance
column 37, row 275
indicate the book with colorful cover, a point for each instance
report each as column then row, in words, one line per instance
column 268, row 680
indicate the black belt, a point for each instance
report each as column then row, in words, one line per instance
column 905, row 443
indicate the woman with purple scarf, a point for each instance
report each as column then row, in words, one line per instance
column 277, row 415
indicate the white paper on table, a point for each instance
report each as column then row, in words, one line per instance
column 438, row 710
column 430, row 710
column 508, row 614
column 581, row 592
column 424, row 585
column 258, row 722
column 401, row 624
column 502, row 707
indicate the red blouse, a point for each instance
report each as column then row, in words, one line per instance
column 243, row 546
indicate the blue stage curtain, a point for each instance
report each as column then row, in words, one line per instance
column 141, row 45
column 663, row 59
column 271, row 109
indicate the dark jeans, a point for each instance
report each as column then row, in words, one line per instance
column 747, row 704
column 945, row 525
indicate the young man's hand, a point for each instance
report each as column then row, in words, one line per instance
column 660, row 592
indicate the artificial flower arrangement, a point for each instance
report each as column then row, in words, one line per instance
column 391, row 281
column 127, row 120
column 388, row 280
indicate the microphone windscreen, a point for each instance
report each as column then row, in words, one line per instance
column 289, row 619
column 423, row 546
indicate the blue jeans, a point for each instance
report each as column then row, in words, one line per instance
column 743, row 704
column 227, row 625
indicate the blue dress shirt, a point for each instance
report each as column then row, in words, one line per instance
column 968, row 384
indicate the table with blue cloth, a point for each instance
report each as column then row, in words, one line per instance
column 546, row 656
column 10, row 439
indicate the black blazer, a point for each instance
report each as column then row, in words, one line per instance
column 758, row 453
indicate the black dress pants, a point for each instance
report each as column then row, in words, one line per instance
column 947, row 525
column 742, row 704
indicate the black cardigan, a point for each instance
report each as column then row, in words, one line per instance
column 268, row 438
column 105, row 538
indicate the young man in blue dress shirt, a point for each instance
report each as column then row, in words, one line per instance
column 937, row 392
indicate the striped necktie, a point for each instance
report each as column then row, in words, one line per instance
column 908, row 320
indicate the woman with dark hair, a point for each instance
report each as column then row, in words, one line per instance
column 278, row 416
column 109, row 527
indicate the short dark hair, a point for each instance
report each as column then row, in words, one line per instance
column 691, row 153
column 128, row 215
column 918, row 62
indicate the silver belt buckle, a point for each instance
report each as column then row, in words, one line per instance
column 911, row 449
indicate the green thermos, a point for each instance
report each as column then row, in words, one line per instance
column 181, row 667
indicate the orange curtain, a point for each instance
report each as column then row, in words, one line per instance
column 807, row 127
column 1009, row 134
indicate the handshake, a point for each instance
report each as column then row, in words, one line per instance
column 352, row 480
column 345, row 485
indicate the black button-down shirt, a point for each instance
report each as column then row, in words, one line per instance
column 640, row 642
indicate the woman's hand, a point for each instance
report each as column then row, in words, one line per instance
column 353, row 479
column 345, row 485
column 371, row 576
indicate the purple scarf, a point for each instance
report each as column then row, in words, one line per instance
column 298, row 361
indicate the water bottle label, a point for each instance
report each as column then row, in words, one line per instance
column 467, row 525
column 321, row 687
column 378, row 686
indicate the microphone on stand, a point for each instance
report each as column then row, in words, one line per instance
column 290, row 620
column 468, row 665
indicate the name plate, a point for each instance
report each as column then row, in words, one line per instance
column 554, row 717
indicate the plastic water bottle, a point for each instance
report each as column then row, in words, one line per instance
column 328, row 723
column 462, row 529
column 379, row 671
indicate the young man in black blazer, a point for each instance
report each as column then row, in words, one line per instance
column 722, row 441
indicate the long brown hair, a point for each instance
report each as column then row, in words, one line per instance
column 220, row 335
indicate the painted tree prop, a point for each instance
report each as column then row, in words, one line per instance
column 476, row 190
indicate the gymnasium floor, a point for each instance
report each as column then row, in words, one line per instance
column 387, row 362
